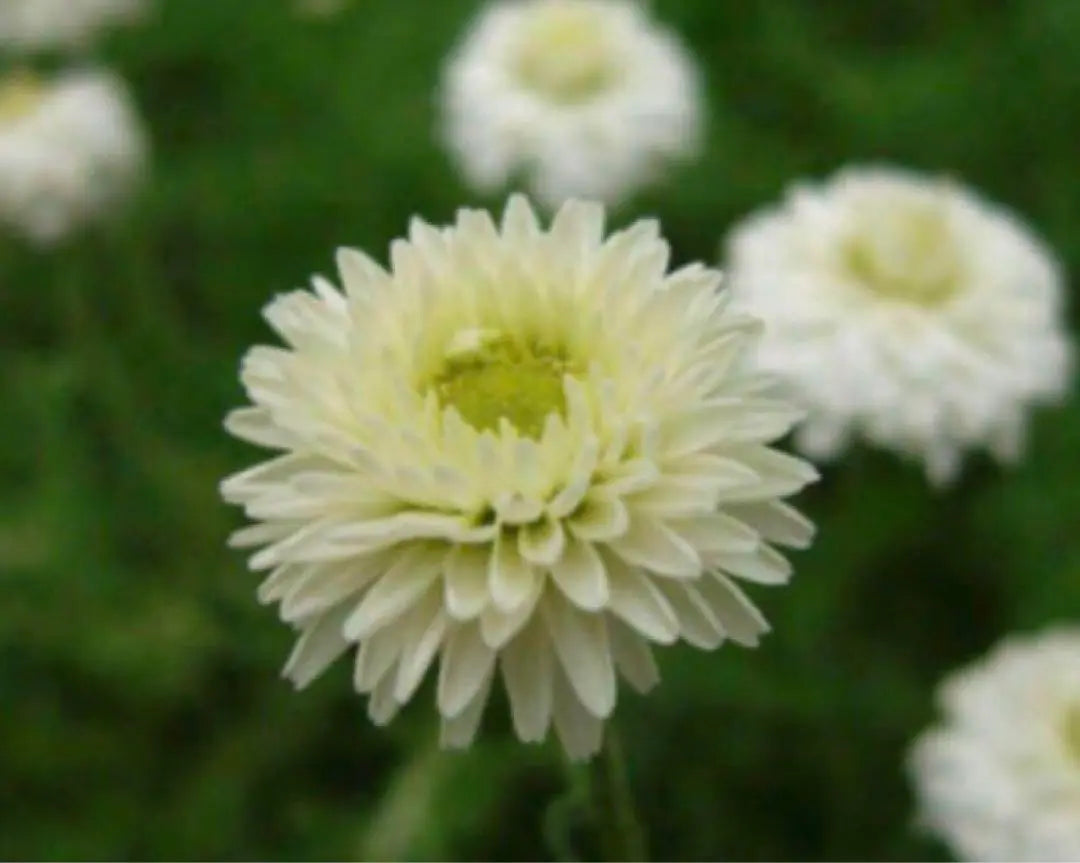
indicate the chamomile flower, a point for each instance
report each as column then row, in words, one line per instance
column 523, row 453
column 70, row 149
column 584, row 98
column 999, row 777
column 38, row 24
column 905, row 310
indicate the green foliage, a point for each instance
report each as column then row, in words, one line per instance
column 142, row 714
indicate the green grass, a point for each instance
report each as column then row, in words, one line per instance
column 141, row 713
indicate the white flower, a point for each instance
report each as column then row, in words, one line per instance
column 576, row 97
column 906, row 310
column 525, row 451
column 999, row 779
column 69, row 149
column 34, row 24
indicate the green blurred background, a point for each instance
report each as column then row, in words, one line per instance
column 141, row 711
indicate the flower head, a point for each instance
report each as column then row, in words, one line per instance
column 69, row 149
column 578, row 97
column 906, row 310
column 530, row 452
column 34, row 24
column 999, row 777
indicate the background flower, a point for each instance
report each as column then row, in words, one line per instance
column 906, row 310
column 48, row 24
column 70, row 149
column 999, row 777
column 521, row 446
column 579, row 97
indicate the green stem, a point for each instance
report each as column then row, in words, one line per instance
column 621, row 834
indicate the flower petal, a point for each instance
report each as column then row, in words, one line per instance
column 580, row 575
column 413, row 572
column 654, row 546
column 580, row 641
column 633, row 657
column 527, row 670
column 465, row 669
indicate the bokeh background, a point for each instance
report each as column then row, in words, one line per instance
column 141, row 711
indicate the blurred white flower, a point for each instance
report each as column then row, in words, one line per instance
column 34, row 24
column 574, row 97
column 527, row 451
column 905, row 310
column 999, row 778
column 69, row 150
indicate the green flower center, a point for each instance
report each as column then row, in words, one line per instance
column 20, row 93
column 488, row 376
column 906, row 254
column 564, row 53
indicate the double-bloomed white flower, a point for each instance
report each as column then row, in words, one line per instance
column 34, row 24
column 69, row 150
column 529, row 452
column 584, row 98
column 905, row 310
column 999, row 777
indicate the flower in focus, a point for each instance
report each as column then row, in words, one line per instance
column 37, row 24
column 69, row 149
column 577, row 97
column 999, row 778
column 905, row 310
column 529, row 452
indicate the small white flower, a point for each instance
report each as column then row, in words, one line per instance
column 576, row 97
column 69, row 150
column 529, row 452
column 35, row 24
column 905, row 310
column 999, row 778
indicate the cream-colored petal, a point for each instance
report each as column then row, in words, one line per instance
column 739, row 617
column 527, row 670
column 422, row 641
column 776, row 521
column 601, row 517
column 376, row 656
column 640, row 603
column 497, row 627
column 466, row 666
column 764, row 565
column 511, row 578
column 580, row 575
column 400, row 586
column 652, row 545
column 542, row 542
column 458, row 731
column 318, row 646
column 581, row 644
column 633, row 656
column 698, row 624
column 465, row 586
column 579, row 730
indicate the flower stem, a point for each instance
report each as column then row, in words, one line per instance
column 621, row 834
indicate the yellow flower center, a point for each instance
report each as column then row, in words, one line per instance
column 565, row 53
column 20, row 93
column 488, row 376
column 905, row 253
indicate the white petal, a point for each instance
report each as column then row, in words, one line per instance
column 330, row 584
column 395, row 592
column 580, row 575
column 581, row 732
column 601, row 517
column 580, row 641
column 639, row 602
column 519, row 221
column 466, row 665
column 776, row 521
column 579, row 480
column 498, row 627
column 765, row 565
column 739, row 617
column 716, row 532
column 257, row 426
column 633, row 656
column 382, row 706
column 422, row 641
column 376, row 656
column 318, row 646
column 542, row 542
column 527, row 670
column 511, row 579
column 359, row 274
column 728, row 420
column 652, row 545
column 457, row 732
column 466, row 581
column 697, row 623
